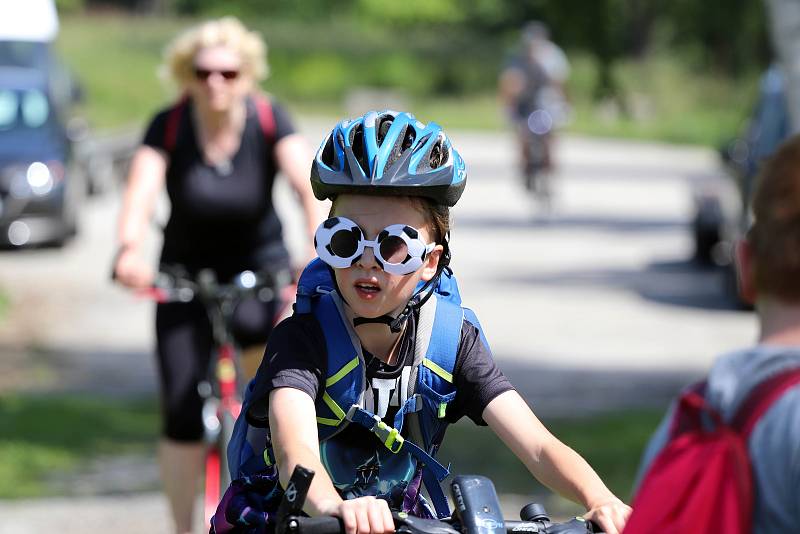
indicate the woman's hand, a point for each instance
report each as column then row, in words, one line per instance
column 364, row 515
column 131, row 270
column 610, row 515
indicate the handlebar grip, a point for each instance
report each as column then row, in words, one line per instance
column 316, row 525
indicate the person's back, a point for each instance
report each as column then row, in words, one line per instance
column 769, row 272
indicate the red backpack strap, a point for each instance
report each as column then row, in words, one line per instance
column 266, row 118
column 173, row 123
column 689, row 410
column 762, row 398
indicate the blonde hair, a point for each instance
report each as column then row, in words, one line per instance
column 227, row 31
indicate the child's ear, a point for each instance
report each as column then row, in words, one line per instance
column 431, row 263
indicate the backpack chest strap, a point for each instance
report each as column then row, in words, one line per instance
column 393, row 441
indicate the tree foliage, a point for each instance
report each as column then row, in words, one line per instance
column 724, row 36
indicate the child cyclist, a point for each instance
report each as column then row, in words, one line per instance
column 360, row 386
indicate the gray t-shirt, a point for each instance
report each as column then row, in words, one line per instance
column 775, row 442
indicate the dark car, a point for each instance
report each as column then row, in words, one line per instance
column 39, row 190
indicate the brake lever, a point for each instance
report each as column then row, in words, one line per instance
column 294, row 498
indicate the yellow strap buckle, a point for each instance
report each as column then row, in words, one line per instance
column 390, row 436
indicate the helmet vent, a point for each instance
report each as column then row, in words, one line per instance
column 437, row 156
column 408, row 139
column 383, row 128
column 327, row 152
column 359, row 151
column 398, row 148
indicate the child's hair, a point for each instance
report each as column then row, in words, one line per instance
column 437, row 216
column 775, row 235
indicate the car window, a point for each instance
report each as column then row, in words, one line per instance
column 8, row 108
column 23, row 109
column 35, row 109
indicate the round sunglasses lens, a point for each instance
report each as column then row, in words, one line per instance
column 344, row 243
column 393, row 249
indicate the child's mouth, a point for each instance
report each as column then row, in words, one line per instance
column 367, row 289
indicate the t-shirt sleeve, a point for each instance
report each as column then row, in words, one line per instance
column 154, row 135
column 477, row 378
column 283, row 122
column 295, row 357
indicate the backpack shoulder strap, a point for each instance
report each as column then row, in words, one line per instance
column 266, row 117
column 762, row 398
column 173, row 124
column 345, row 370
column 689, row 409
column 444, row 335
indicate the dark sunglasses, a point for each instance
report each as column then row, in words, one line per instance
column 205, row 74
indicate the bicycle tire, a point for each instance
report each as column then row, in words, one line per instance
column 213, row 488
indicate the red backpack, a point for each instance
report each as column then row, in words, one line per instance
column 263, row 107
column 701, row 481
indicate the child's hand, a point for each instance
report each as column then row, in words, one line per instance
column 365, row 515
column 610, row 515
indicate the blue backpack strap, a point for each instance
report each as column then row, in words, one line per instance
column 433, row 472
column 315, row 280
column 435, row 384
column 470, row 316
column 440, row 359
column 345, row 368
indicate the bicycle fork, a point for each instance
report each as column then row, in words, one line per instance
column 219, row 415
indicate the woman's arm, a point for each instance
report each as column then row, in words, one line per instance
column 145, row 180
column 293, row 430
column 553, row 463
column 294, row 158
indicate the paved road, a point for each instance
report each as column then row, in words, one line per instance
column 592, row 308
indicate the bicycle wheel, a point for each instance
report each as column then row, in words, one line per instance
column 217, row 474
column 213, row 487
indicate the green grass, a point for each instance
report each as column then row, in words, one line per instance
column 3, row 303
column 116, row 59
column 612, row 444
column 663, row 98
column 45, row 436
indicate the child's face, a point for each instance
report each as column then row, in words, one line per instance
column 369, row 290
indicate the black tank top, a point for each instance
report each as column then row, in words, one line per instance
column 222, row 218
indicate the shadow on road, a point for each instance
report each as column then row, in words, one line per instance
column 555, row 392
column 677, row 283
column 103, row 372
column 576, row 222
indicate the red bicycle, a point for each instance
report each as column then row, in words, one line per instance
column 221, row 390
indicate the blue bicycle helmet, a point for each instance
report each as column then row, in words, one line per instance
column 389, row 153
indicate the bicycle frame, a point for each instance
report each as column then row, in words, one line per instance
column 222, row 402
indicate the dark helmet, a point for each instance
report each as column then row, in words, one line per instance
column 389, row 153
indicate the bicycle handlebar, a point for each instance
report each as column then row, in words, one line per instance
column 477, row 512
column 173, row 284
column 406, row 524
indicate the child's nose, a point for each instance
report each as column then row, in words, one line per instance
column 367, row 260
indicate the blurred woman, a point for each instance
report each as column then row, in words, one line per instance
column 217, row 151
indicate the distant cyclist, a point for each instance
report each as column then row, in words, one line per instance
column 361, row 382
column 216, row 151
column 533, row 93
column 768, row 262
